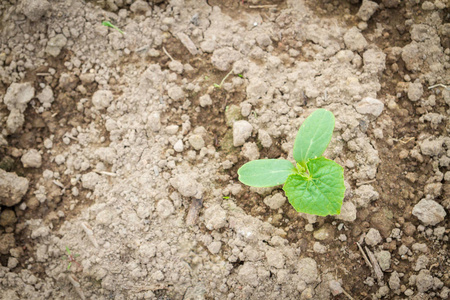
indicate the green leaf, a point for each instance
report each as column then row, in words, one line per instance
column 68, row 267
column 321, row 191
column 313, row 136
column 266, row 172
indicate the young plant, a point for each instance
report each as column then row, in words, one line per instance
column 71, row 258
column 315, row 185
column 108, row 24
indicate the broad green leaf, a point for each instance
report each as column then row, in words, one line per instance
column 319, row 194
column 265, row 172
column 314, row 136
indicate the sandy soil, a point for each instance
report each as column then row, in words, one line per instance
column 123, row 144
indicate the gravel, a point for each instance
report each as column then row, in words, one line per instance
column 373, row 237
column 242, row 130
column 370, row 106
column 429, row 212
column 32, row 159
column 12, row 188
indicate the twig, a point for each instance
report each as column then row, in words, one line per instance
column 107, row 173
column 347, row 294
column 365, row 182
column 376, row 266
column 43, row 74
column 76, row 285
column 439, row 85
column 223, row 80
column 167, row 53
column 194, row 210
column 264, row 6
column 90, row 234
column 364, row 255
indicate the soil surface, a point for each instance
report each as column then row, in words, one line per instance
column 120, row 145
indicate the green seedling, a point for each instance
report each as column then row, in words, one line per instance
column 240, row 75
column 315, row 185
column 108, row 24
column 219, row 86
column 71, row 258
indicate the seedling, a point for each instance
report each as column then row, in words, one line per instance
column 219, row 86
column 315, row 185
column 108, row 24
column 71, row 258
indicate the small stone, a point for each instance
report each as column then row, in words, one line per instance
column 223, row 58
column 370, row 106
column 319, row 248
column 154, row 121
column 7, row 241
column 196, row 141
column 420, row 247
column 428, row 5
column 55, row 44
column 12, row 262
column 324, row 233
column 335, row 287
column 242, row 130
column 373, row 237
column 263, row 40
column 415, row 91
column 250, row 151
column 205, row 100
column 18, row 95
column 215, row 217
column 307, row 270
column 176, row 66
column 275, row 259
column 354, row 40
column 421, row 263
column 165, row 208
column 90, row 180
column 178, row 147
column 348, row 212
column 276, row 201
column 188, row 43
column 46, row 96
column 8, row 218
column 424, row 281
column 384, row 259
column 264, row 138
column 187, row 186
column 102, row 99
column 31, row 159
column 367, row 9
column 429, row 212
column 140, row 7
column 432, row 147
column 172, row 129
column 214, row 247
column 394, row 281
column 176, row 93
column 35, row 9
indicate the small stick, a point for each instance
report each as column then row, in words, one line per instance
column 347, row 294
column 439, row 85
column 365, row 182
column 167, row 53
column 107, row 173
column 194, row 210
column 57, row 183
column 43, row 74
column 364, row 255
column 90, row 234
column 264, row 6
column 376, row 266
column 76, row 285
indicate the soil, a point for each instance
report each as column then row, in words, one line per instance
column 138, row 172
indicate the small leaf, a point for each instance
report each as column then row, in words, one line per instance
column 266, row 172
column 67, row 249
column 68, row 267
column 314, row 136
column 319, row 194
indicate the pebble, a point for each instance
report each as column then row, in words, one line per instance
column 348, row 212
column 55, row 44
column 165, row 208
column 276, row 201
column 18, row 95
column 32, row 159
column 335, row 287
column 384, row 259
column 205, row 100
column 421, row 263
column 373, row 237
column 178, row 147
column 367, row 9
column 424, row 281
column 35, row 9
column 214, row 247
column 415, row 91
column 307, row 270
column 242, row 130
column 102, row 99
column 196, row 141
column 215, row 217
column 319, row 248
column 370, row 106
column 223, row 58
column 394, row 281
column 154, row 121
column 7, row 218
column 324, row 233
column 429, row 212
column 186, row 185
column 354, row 40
